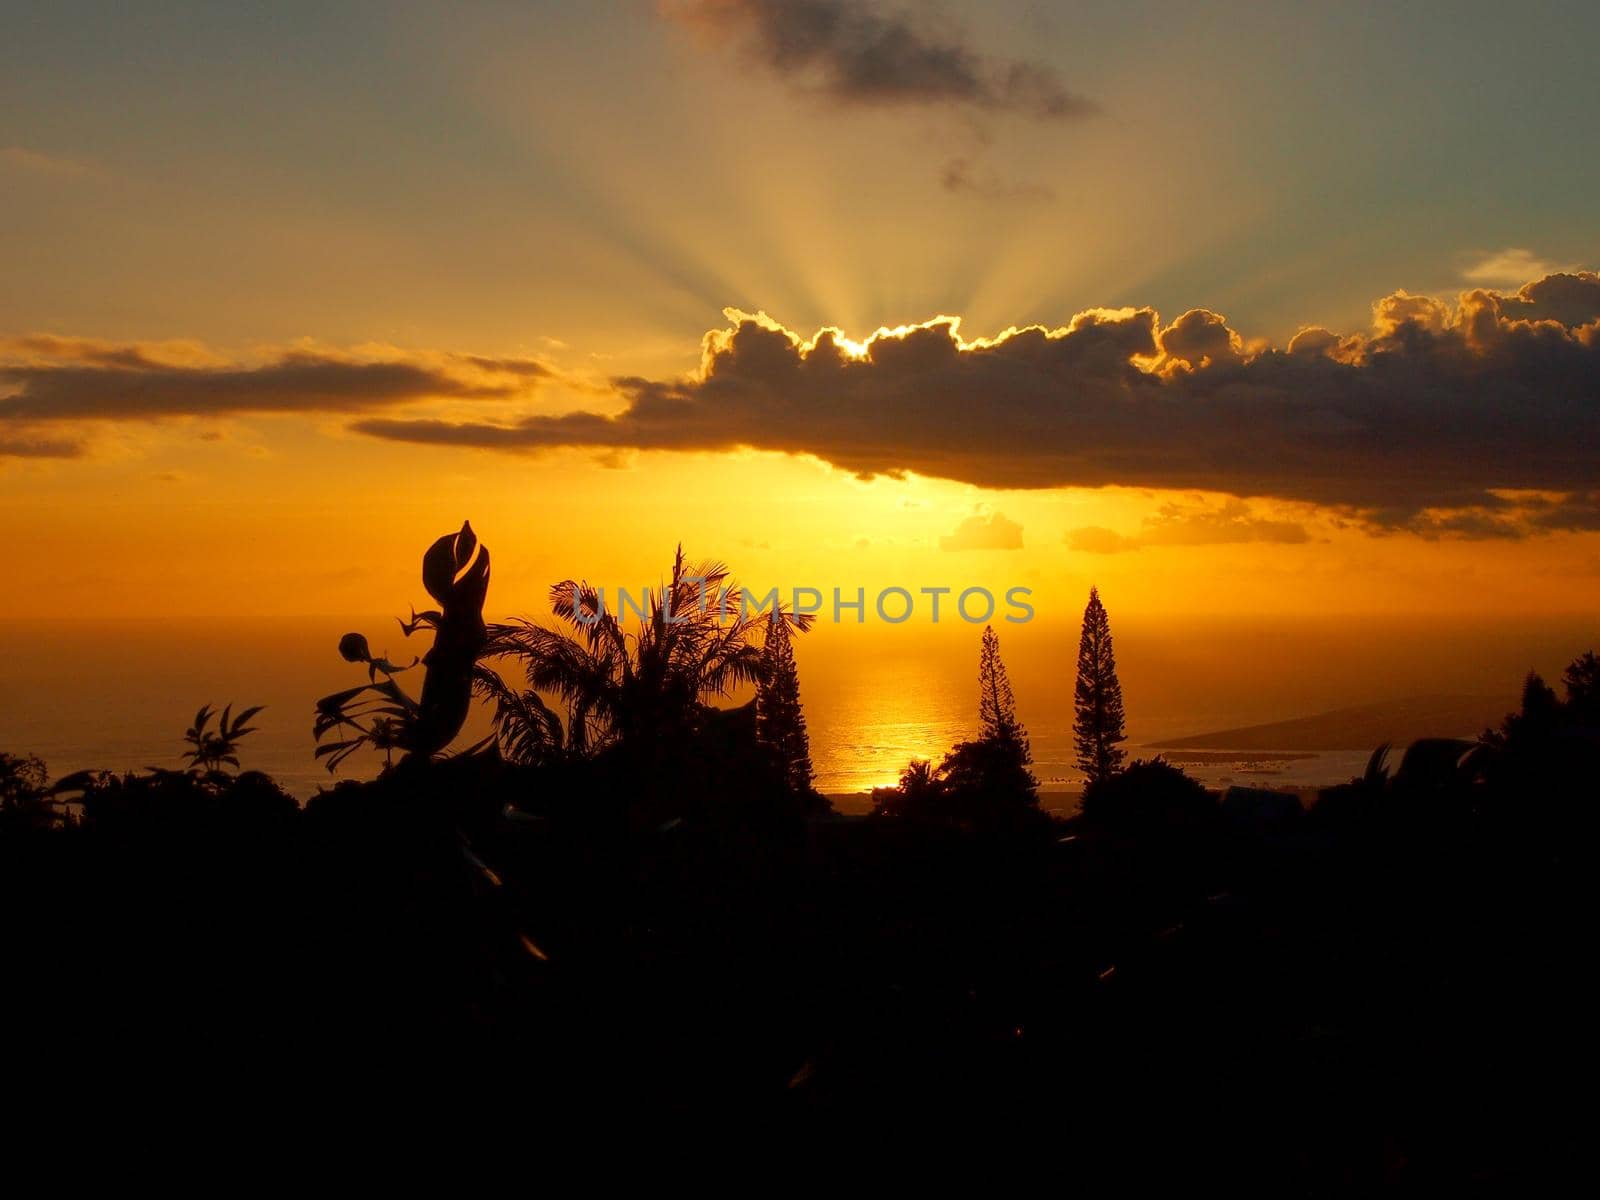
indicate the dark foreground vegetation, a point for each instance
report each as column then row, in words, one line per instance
column 1392, row 987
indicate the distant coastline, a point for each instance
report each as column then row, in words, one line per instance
column 1398, row 723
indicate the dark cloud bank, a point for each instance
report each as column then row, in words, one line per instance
column 1430, row 422
column 1478, row 418
column 45, row 379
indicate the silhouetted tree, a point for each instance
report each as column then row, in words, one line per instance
column 1547, row 750
column 997, row 707
column 919, row 780
column 1098, row 725
column 984, row 782
column 25, row 800
column 780, row 722
column 1582, row 681
column 920, row 792
column 638, row 690
column 995, row 766
column 989, row 777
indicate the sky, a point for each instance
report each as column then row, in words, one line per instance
column 1279, row 311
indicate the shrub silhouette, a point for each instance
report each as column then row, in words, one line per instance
column 212, row 749
column 1149, row 796
column 26, row 801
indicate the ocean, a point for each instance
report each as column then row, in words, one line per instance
column 119, row 695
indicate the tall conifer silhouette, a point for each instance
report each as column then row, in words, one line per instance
column 997, row 707
column 992, row 771
column 1097, row 727
column 780, row 722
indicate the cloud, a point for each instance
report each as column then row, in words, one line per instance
column 36, row 162
column 36, row 447
column 962, row 176
column 1570, row 299
column 1509, row 515
column 860, row 53
column 1434, row 409
column 1097, row 539
column 1232, row 523
column 977, row 532
column 1199, row 338
column 1508, row 268
column 48, row 378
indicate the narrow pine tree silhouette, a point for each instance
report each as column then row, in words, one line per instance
column 1097, row 727
column 780, row 722
column 997, row 706
column 989, row 777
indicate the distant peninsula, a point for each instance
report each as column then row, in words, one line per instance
column 1360, row 728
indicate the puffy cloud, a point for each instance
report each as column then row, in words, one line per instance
column 1570, row 299
column 1313, row 340
column 1200, row 338
column 978, row 532
column 48, row 378
column 1434, row 410
column 1191, row 525
column 861, row 53
column 1401, row 310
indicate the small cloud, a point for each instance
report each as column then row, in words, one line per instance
column 1096, row 539
column 961, row 175
column 170, row 477
column 1230, row 524
column 1233, row 523
column 619, row 458
column 1511, row 267
column 993, row 532
column 36, row 162
column 37, row 447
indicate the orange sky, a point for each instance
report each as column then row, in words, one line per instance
column 577, row 196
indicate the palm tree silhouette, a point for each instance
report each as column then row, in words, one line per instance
column 640, row 688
